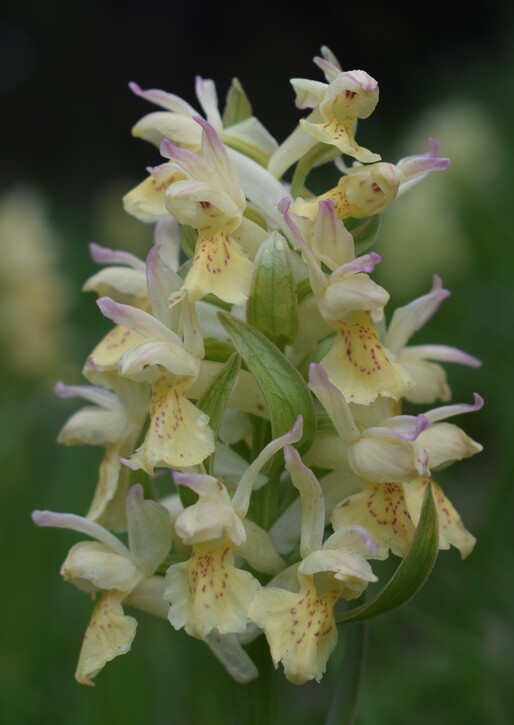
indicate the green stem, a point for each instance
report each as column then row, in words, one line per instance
column 343, row 710
column 257, row 701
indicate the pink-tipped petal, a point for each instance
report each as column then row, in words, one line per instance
column 104, row 255
column 448, row 411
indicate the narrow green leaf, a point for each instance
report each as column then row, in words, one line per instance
column 215, row 399
column 272, row 307
column 343, row 709
column 412, row 572
column 237, row 108
column 286, row 392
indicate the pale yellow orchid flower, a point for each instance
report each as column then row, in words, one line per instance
column 299, row 621
column 209, row 592
column 210, row 200
column 120, row 571
column 367, row 190
column 337, row 105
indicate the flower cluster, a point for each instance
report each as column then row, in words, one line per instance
column 248, row 397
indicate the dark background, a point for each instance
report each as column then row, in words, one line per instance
column 66, row 114
column 65, row 68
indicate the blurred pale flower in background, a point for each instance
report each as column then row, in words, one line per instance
column 467, row 133
column 34, row 298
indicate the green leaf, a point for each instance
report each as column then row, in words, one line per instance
column 237, row 108
column 215, row 399
column 272, row 307
column 343, row 709
column 286, row 392
column 412, row 572
column 217, row 350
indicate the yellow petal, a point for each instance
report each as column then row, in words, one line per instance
column 300, row 629
column 220, row 268
column 380, row 509
column 108, row 505
column 360, row 367
column 107, row 353
column 109, row 634
column 146, row 200
column 208, row 592
column 91, row 565
column 179, row 434
column 340, row 135
column 451, row 528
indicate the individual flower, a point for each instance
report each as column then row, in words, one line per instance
column 397, row 448
column 209, row 592
column 115, row 421
column 300, row 624
column 367, row 190
column 179, row 434
column 430, row 378
column 34, row 329
column 210, row 200
column 357, row 363
column 118, row 570
column 336, row 105
column 177, row 124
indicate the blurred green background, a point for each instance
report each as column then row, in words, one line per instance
column 68, row 157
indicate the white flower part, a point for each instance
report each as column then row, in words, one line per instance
column 258, row 549
column 229, row 466
column 123, row 277
column 115, row 422
column 336, row 486
column 212, row 518
column 444, row 442
column 312, row 502
column 387, row 452
column 160, row 346
column 92, row 565
column 177, row 121
column 229, row 651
